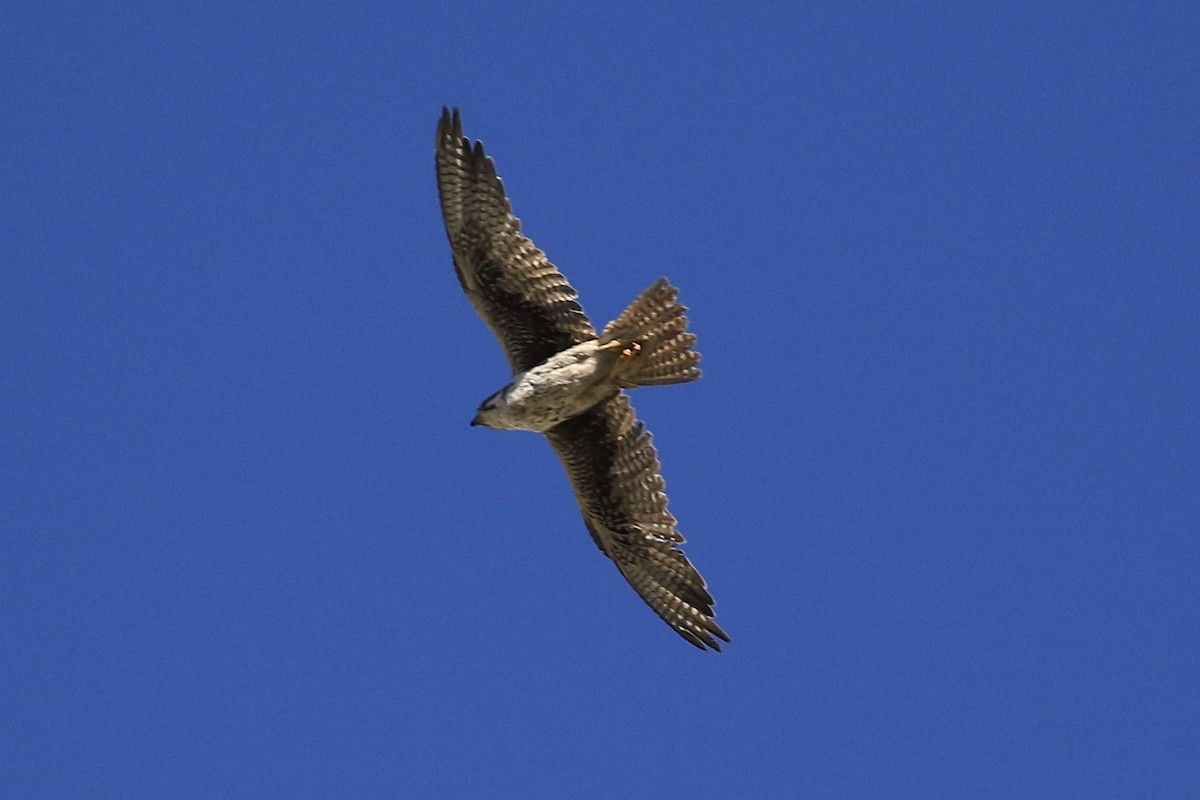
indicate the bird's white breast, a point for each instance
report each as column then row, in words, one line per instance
column 564, row 386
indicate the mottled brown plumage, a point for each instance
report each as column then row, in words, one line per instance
column 606, row 451
column 614, row 471
column 522, row 297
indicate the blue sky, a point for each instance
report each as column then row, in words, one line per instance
column 941, row 474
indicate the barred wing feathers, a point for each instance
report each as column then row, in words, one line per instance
column 613, row 466
column 523, row 298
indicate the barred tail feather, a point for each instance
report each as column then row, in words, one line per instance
column 653, row 335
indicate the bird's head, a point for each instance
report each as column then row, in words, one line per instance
column 492, row 412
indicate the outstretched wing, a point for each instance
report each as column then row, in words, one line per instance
column 522, row 297
column 614, row 470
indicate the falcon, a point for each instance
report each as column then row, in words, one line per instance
column 570, row 383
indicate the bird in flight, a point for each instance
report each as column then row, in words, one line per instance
column 569, row 383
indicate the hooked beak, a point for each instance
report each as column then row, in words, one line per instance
column 475, row 421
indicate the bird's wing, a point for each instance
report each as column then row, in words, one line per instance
column 522, row 297
column 614, row 471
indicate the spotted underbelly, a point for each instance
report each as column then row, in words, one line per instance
column 538, row 402
column 558, row 390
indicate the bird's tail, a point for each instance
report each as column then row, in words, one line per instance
column 652, row 335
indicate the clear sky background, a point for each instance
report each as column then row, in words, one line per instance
column 942, row 473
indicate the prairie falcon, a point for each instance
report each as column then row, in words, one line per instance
column 568, row 382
